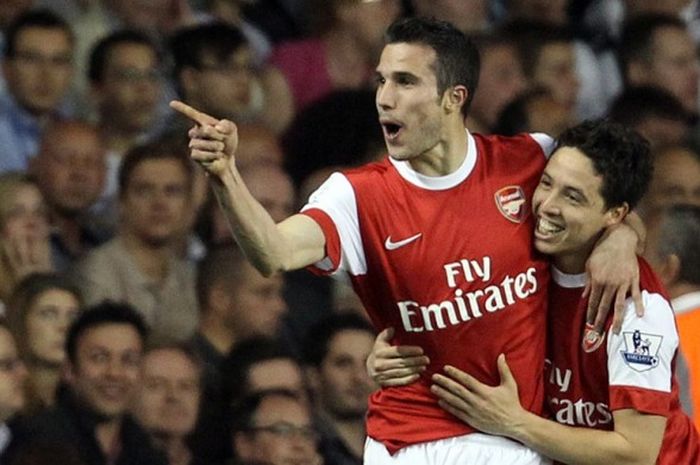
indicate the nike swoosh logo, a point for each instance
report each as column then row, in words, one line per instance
column 390, row 245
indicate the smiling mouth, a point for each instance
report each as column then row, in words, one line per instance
column 546, row 228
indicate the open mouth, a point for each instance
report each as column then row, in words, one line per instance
column 546, row 228
column 391, row 129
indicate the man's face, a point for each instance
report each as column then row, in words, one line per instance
column 130, row 89
column 106, row 372
column 168, row 399
column 368, row 21
column 344, row 382
column 71, row 169
column 662, row 132
column 154, row 206
column 501, row 79
column 222, row 89
column 48, row 319
column 256, row 304
column 467, row 15
column 271, row 186
column 13, row 375
column 569, row 208
column 277, row 373
column 676, row 179
column 556, row 71
column 24, row 215
column 282, row 434
column 674, row 65
column 39, row 74
column 410, row 110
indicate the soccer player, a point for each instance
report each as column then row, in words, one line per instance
column 437, row 240
column 613, row 399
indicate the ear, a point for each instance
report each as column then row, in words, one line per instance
column 455, row 98
column 68, row 372
column 617, row 214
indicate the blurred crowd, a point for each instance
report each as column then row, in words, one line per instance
column 135, row 332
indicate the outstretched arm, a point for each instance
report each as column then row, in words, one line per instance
column 294, row 243
column 496, row 410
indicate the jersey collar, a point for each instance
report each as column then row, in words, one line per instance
column 566, row 280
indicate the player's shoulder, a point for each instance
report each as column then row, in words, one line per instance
column 523, row 145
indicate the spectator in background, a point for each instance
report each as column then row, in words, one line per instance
column 168, row 400
column 654, row 113
column 104, row 347
column 658, row 50
column 37, row 66
column 335, row 352
column 140, row 265
column 501, row 79
column 469, row 16
column 342, row 55
column 673, row 250
column 24, row 232
column 70, row 171
column 10, row 10
column 213, row 69
column 676, row 179
column 275, row 428
column 39, row 313
column 125, row 87
column 12, row 378
column 535, row 110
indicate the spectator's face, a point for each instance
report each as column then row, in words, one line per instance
column 293, row 445
column 169, row 394
column 467, row 15
column 24, row 215
column 223, row 89
column 48, row 319
column 71, row 169
column 13, row 375
column 501, row 79
column 676, row 179
column 369, row 21
column 556, row 71
column 106, row 372
column 39, row 74
column 673, row 66
column 271, row 186
column 662, row 132
column 277, row 373
column 256, row 304
column 344, row 384
column 570, row 209
column 130, row 89
column 154, row 207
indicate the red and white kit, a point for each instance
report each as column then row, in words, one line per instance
column 588, row 381
column 449, row 263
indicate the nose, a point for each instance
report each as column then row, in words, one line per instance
column 385, row 97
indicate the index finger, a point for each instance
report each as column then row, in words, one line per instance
column 195, row 115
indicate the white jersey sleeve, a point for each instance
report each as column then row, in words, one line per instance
column 641, row 355
column 336, row 198
column 545, row 142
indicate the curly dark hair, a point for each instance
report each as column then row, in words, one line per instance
column 619, row 154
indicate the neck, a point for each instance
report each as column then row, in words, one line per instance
column 107, row 434
column 151, row 260
column 44, row 380
column 682, row 288
column 447, row 156
column 69, row 229
column 351, row 431
column 175, row 447
column 216, row 333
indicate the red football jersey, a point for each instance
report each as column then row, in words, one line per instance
column 449, row 263
column 589, row 380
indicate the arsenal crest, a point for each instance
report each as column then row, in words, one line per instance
column 512, row 203
column 591, row 339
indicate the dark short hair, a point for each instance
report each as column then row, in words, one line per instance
column 221, row 263
column 242, row 412
column 43, row 19
column 618, row 153
column 679, row 235
column 636, row 104
column 107, row 312
column 457, row 61
column 321, row 334
column 532, row 37
column 638, row 36
column 190, row 46
column 235, row 369
column 162, row 149
column 100, row 54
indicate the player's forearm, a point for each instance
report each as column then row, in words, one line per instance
column 579, row 445
column 252, row 227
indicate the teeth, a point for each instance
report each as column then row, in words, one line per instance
column 548, row 227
